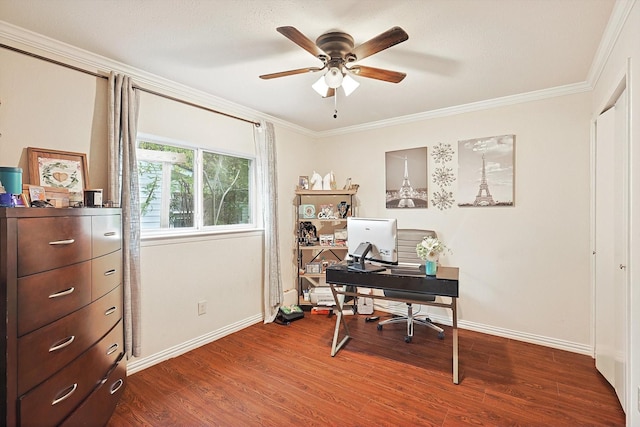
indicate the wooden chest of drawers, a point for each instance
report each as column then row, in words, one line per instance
column 61, row 293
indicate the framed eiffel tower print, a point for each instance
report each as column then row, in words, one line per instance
column 406, row 178
column 486, row 171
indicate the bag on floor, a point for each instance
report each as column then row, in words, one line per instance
column 288, row 314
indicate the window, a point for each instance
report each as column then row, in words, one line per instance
column 225, row 189
column 189, row 188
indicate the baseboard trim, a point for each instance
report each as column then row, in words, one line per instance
column 505, row 333
column 139, row 364
column 559, row 344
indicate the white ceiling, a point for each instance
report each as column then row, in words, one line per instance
column 458, row 52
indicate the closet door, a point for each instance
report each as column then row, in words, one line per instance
column 611, row 245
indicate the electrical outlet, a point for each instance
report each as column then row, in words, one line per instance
column 202, row 307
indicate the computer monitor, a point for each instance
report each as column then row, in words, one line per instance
column 372, row 239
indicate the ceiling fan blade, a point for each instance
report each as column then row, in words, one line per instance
column 377, row 73
column 291, row 72
column 330, row 92
column 381, row 42
column 301, row 40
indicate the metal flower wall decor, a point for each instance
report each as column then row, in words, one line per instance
column 442, row 176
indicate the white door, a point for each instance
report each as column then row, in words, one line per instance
column 611, row 243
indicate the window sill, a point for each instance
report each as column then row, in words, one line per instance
column 193, row 236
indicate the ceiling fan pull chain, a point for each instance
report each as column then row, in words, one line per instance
column 335, row 104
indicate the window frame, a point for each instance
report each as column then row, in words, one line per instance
column 199, row 228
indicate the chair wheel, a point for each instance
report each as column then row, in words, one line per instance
column 441, row 335
column 379, row 327
column 407, row 339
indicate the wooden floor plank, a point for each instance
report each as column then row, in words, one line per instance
column 272, row 375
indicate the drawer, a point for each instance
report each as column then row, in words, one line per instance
column 48, row 349
column 107, row 234
column 97, row 409
column 106, row 273
column 48, row 243
column 49, row 403
column 49, row 296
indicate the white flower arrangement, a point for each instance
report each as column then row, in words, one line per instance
column 430, row 248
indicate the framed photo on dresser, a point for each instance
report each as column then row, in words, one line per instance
column 53, row 168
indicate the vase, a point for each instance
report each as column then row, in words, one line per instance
column 430, row 267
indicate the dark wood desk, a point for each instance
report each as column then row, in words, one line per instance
column 344, row 282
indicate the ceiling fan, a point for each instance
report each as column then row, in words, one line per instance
column 337, row 52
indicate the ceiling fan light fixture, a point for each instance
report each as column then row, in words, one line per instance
column 321, row 87
column 333, row 78
column 349, row 84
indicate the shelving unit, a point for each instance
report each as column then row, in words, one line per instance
column 320, row 220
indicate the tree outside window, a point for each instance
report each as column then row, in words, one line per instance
column 169, row 177
column 225, row 189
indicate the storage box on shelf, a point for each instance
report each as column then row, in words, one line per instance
column 321, row 240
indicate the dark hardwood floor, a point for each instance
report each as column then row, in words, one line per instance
column 273, row 375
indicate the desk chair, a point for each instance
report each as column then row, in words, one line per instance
column 408, row 239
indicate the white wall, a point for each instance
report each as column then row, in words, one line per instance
column 225, row 270
column 624, row 61
column 48, row 106
column 296, row 156
column 524, row 270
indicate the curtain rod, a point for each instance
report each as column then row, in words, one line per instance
column 102, row 76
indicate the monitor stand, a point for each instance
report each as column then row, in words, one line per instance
column 366, row 267
column 359, row 262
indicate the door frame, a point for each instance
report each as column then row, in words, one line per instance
column 623, row 83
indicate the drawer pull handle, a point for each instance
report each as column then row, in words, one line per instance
column 63, row 242
column 109, row 233
column 116, row 386
column 62, row 293
column 110, row 272
column 111, row 311
column 66, row 395
column 112, row 349
column 62, row 344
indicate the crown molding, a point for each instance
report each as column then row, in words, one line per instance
column 619, row 15
column 465, row 108
column 21, row 38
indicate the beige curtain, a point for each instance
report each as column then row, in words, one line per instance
column 122, row 188
column 265, row 139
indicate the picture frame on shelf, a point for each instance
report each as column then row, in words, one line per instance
column 303, row 182
column 37, row 193
column 326, row 240
column 340, row 237
column 313, row 268
column 54, row 168
column 326, row 212
column 343, row 209
column 307, row 211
